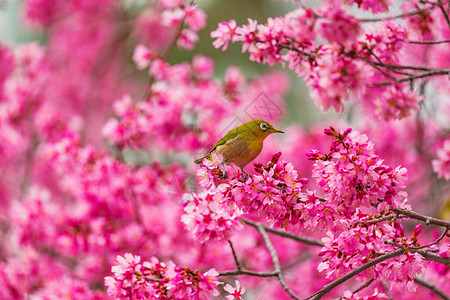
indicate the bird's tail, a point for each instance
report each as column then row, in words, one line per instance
column 200, row 160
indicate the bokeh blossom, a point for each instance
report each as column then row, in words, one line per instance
column 107, row 103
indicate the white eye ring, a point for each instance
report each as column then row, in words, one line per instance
column 263, row 126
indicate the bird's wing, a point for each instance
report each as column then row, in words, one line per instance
column 231, row 135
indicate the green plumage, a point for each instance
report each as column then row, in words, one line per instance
column 242, row 144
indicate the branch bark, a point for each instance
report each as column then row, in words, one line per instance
column 431, row 287
column 327, row 288
column 298, row 238
column 428, row 220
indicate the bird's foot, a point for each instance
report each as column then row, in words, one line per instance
column 245, row 176
column 224, row 174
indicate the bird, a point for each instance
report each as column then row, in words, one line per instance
column 242, row 144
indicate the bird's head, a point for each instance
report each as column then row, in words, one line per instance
column 260, row 129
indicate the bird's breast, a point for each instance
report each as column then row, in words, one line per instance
column 240, row 151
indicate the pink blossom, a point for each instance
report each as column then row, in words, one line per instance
column 337, row 26
column 43, row 12
column 142, row 57
column 171, row 3
column 375, row 296
column 187, row 39
column 376, row 6
column 173, row 17
column 235, row 292
column 194, row 18
column 203, row 66
column 155, row 279
column 131, row 130
column 223, row 34
column 234, row 79
column 441, row 165
column 209, row 218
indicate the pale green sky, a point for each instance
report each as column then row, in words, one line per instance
column 11, row 30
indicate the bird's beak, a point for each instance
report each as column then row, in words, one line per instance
column 278, row 130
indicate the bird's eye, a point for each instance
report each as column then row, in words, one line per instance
column 263, row 126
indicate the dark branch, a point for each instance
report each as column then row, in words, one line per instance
column 428, row 255
column 413, row 77
column 444, row 12
column 327, row 288
column 248, row 272
column 388, row 18
column 440, row 238
column 275, row 260
column 386, row 288
column 364, row 286
column 238, row 265
column 298, row 238
column 378, row 220
column 428, row 220
column 429, row 42
column 431, row 287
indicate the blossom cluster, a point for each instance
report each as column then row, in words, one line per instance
column 154, row 279
column 352, row 176
column 354, row 188
column 355, row 179
column 271, row 193
column 354, row 63
column 359, row 244
column 100, row 120
column 441, row 165
column 375, row 296
column 208, row 219
column 189, row 97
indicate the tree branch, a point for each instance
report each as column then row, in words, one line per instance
column 428, row 220
column 388, row 18
column 386, row 288
column 431, row 287
column 238, row 265
column 440, row 238
column 248, row 272
column 429, row 42
column 428, row 255
column 444, row 12
column 275, row 260
column 413, row 77
column 327, row 288
column 298, row 238
column 364, row 286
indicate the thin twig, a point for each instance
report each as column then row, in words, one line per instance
column 386, row 288
column 429, row 255
column 428, row 220
column 276, row 262
column 444, row 12
column 248, row 272
column 293, row 48
column 444, row 233
column 327, row 288
column 414, row 77
column 364, row 286
column 431, row 287
column 148, row 90
column 389, row 18
column 238, row 265
column 415, row 68
column 298, row 238
column 429, row 42
column 378, row 220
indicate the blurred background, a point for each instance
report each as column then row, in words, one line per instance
column 300, row 108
